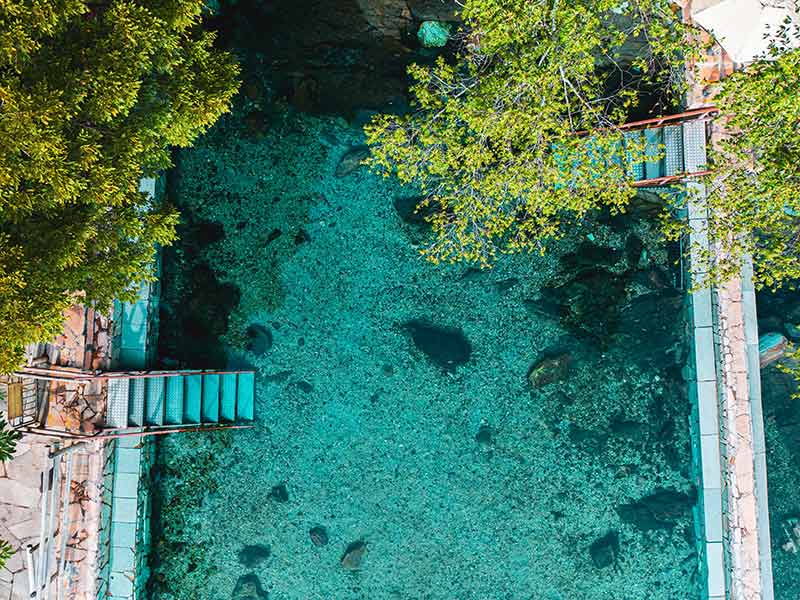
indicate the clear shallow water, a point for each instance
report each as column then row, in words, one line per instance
column 463, row 481
column 782, row 432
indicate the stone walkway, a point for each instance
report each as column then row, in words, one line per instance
column 738, row 415
column 20, row 495
column 84, row 343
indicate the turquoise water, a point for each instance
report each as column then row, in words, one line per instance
column 394, row 407
column 782, row 432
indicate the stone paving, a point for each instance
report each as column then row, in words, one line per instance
column 84, row 344
column 743, row 469
column 20, row 494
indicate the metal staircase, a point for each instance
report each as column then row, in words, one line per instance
column 664, row 140
column 663, row 149
column 155, row 399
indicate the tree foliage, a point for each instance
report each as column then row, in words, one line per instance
column 92, row 96
column 754, row 204
column 495, row 141
column 6, row 552
column 8, row 443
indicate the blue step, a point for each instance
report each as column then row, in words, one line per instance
column 118, row 395
column 173, row 405
column 245, row 396
column 654, row 151
column 136, row 402
column 210, row 406
column 227, row 399
column 154, row 401
column 192, row 398
column 635, row 168
column 673, row 149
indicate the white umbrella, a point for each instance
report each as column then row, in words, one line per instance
column 745, row 28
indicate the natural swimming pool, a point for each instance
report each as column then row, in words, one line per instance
column 421, row 431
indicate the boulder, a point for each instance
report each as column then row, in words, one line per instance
column 505, row 285
column 318, row 535
column 634, row 248
column 389, row 17
column 605, row 551
column 351, row 161
column 414, row 210
column 259, row 339
column 590, row 302
column 249, row 588
column 253, row 555
column 434, row 10
column 354, row 555
column 545, row 307
column 550, row 369
column 279, row 493
column 589, row 255
column 649, row 327
column 771, row 347
column 434, row 34
column 485, row 435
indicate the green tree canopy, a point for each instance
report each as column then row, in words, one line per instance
column 92, row 96
column 754, row 204
column 494, row 141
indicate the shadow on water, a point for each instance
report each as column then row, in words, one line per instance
column 323, row 57
column 195, row 305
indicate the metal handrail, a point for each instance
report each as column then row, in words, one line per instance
column 687, row 115
column 658, row 181
column 89, row 376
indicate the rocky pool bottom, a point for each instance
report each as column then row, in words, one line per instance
column 779, row 313
column 421, row 432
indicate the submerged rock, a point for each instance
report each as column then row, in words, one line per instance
column 545, row 307
column 447, row 347
column 504, row 285
column 274, row 235
column 650, row 328
column 654, row 279
column 550, row 369
column 634, row 247
column 253, row 555
column 433, row 34
column 301, row 237
column 351, row 161
column 249, row 588
column 318, row 535
column 589, row 255
column 354, row 555
column 485, row 435
column 279, row 493
column 434, row 10
column 589, row 302
column 660, row 510
column 631, row 430
column 259, row 339
column 414, row 209
column 304, row 386
column 605, row 551
column 771, row 347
